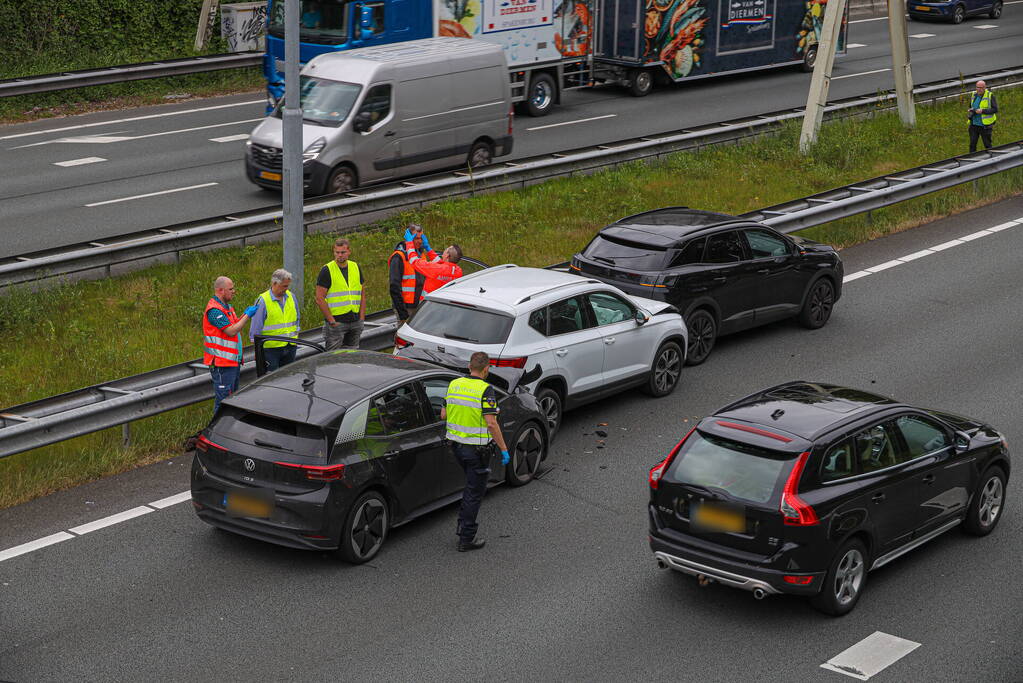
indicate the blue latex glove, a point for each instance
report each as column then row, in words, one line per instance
column 426, row 242
column 409, row 236
column 251, row 310
column 505, row 457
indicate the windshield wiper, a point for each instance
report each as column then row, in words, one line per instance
column 457, row 338
column 604, row 259
column 270, row 444
column 708, row 490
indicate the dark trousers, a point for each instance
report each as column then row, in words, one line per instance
column 475, row 462
column 983, row 132
column 279, row 356
column 225, row 383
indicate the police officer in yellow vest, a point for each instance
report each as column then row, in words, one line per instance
column 276, row 314
column 983, row 113
column 471, row 413
column 341, row 296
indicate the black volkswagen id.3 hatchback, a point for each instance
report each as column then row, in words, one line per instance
column 804, row 488
column 334, row 450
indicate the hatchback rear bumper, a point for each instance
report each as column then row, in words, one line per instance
column 740, row 575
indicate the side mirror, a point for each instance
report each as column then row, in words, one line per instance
column 962, row 442
column 362, row 122
column 642, row 317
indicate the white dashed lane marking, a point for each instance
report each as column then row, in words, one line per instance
column 569, row 123
column 79, row 162
column 986, row 26
column 34, row 545
column 861, row 73
column 852, row 46
column 870, row 656
column 231, row 138
column 921, row 35
column 171, row 500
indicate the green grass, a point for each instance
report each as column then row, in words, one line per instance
column 78, row 335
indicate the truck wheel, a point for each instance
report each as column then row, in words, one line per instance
column 481, row 154
column 342, row 179
column 641, row 82
column 541, row 94
column 810, row 58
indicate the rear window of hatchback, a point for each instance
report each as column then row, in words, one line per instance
column 462, row 323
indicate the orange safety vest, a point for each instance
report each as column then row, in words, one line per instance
column 220, row 349
column 408, row 278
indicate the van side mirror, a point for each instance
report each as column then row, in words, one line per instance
column 363, row 121
column 641, row 316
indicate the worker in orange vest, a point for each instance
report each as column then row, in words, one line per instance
column 222, row 339
column 439, row 273
column 405, row 285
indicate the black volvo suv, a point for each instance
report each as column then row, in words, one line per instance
column 803, row 488
column 723, row 273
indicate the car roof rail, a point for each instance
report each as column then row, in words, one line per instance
column 470, row 276
column 643, row 213
column 557, row 287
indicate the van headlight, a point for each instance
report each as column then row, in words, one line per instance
column 313, row 150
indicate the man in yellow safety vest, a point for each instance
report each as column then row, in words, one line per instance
column 341, row 297
column 471, row 413
column 983, row 113
column 277, row 315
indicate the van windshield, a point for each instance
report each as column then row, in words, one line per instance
column 740, row 470
column 321, row 21
column 325, row 102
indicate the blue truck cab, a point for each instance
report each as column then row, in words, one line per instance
column 332, row 25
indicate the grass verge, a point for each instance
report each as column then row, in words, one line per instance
column 82, row 334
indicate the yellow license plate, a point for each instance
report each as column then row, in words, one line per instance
column 243, row 505
column 923, row 9
column 268, row 175
column 711, row 517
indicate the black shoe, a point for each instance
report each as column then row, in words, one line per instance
column 466, row 546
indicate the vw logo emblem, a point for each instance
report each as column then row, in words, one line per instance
column 250, row 464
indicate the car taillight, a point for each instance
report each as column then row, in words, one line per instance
column 400, row 343
column 793, row 510
column 511, row 117
column 519, row 362
column 205, row 445
column 658, row 470
column 316, row 472
column 797, row 580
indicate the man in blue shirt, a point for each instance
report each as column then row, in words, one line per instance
column 983, row 114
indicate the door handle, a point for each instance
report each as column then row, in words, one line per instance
column 609, row 340
column 389, row 134
column 878, row 498
column 763, row 271
column 929, row 479
column 560, row 353
column 719, row 278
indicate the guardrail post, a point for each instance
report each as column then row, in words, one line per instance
column 126, row 434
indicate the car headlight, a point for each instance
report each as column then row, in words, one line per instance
column 313, row 150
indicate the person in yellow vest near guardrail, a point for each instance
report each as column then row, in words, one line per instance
column 341, row 296
column 470, row 408
column 983, row 113
column 276, row 314
column 222, row 341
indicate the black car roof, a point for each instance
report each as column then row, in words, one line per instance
column 665, row 227
column 806, row 409
column 315, row 390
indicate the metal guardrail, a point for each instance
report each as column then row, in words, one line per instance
column 31, row 85
column 103, row 258
column 99, row 407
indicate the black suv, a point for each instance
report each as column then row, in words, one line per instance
column 723, row 273
column 803, row 488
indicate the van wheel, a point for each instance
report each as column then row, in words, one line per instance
column 844, row 582
column 810, row 58
column 541, row 94
column 342, row 179
column 365, row 528
column 527, row 451
column 641, row 82
column 481, row 154
column 666, row 370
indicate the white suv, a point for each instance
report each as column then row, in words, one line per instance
column 589, row 338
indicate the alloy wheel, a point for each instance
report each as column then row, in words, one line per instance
column 849, row 576
column 667, row 369
column 958, row 14
column 701, row 337
column 527, row 453
column 549, row 408
column 542, row 95
column 821, row 302
column 368, row 528
column 990, row 501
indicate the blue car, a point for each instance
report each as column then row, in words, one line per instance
column 954, row 10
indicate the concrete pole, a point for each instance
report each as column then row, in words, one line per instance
column 899, row 37
column 294, row 223
column 817, row 98
column 207, row 15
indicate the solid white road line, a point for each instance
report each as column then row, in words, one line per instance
column 134, row 118
column 862, row 73
column 34, row 545
column 152, row 194
column 111, row 520
column 569, row 123
column 870, row 656
column 79, row 162
column 231, row 138
column 171, row 500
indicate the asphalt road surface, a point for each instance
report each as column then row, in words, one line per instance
column 566, row 588
column 101, row 175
